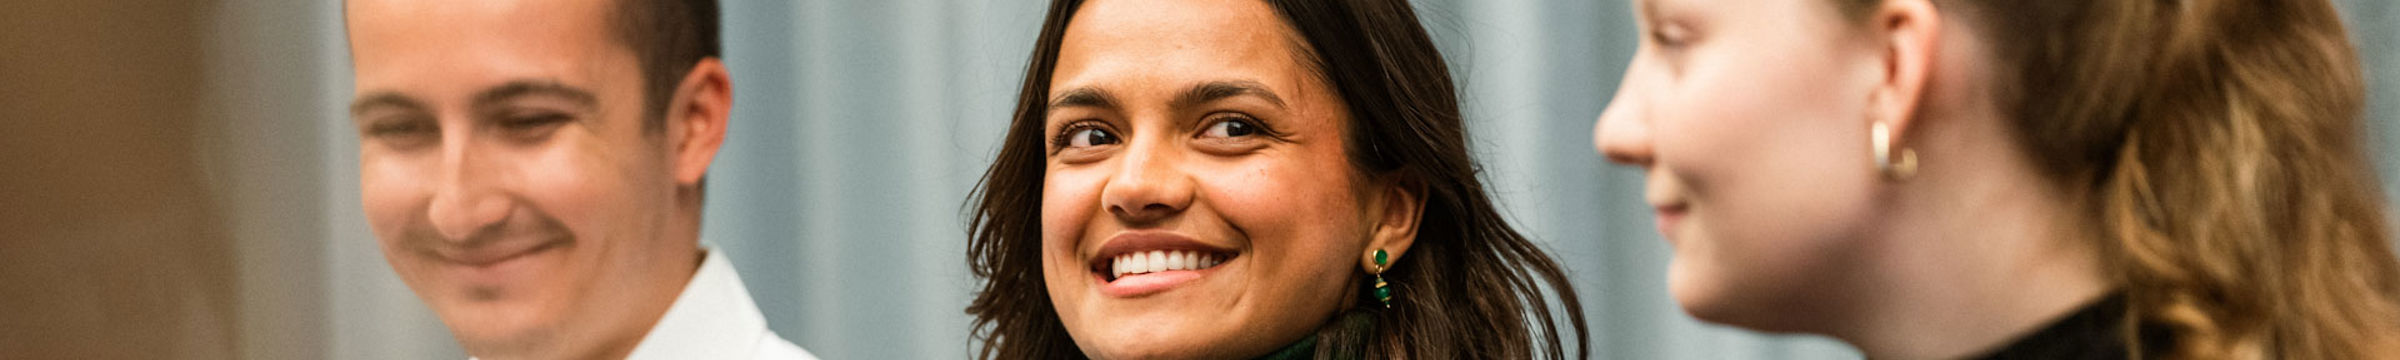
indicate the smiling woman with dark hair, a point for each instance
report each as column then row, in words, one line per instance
column 1198, row 179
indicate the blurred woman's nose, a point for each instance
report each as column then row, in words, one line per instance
column 1148, row 186
column 1623, row 130
column 467, row 196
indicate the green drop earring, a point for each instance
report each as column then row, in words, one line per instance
column 1383, row 290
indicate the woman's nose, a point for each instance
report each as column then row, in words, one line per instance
column 1148, row 186
column 1623, row 131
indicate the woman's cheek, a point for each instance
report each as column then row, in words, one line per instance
column 1070, row 199
column 1066, row 204
column 1295, row 220
column 1259, row 197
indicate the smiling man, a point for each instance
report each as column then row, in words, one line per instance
column 532, row 169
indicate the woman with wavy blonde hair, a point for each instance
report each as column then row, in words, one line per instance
column 2015, row 179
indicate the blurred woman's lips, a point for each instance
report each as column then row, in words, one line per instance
column 1669, row 215
column 1666, row 198
column 1140, row 263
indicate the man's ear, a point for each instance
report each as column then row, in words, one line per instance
column 696, row 119
column 1905, row 34
column 1401, row 207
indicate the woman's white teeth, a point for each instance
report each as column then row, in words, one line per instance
column 1156, row 261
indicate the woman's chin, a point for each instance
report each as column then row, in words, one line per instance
column 1717, row 301
column 1135, row 342
column 1698, row 295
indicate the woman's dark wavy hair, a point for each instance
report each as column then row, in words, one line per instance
column 1472, row 287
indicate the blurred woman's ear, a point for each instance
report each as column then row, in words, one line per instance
column 1905, row 34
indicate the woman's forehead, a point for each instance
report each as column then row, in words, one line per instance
column 1171, row 45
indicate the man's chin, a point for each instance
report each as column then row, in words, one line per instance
column 490, row 328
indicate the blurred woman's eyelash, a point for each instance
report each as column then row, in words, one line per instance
column 1670, row 36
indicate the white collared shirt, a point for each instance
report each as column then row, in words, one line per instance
column 714, row 318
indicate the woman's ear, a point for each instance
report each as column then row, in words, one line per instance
column 1905, row 34
column 696, row 119
column 1400, row 208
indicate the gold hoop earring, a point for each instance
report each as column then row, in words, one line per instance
column 1896, row 163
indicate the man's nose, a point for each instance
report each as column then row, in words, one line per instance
column 468, row 196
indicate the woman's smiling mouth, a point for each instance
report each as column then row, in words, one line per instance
column 1140, row 263
column 1155, row 261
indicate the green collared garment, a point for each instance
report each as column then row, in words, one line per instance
column 1358, row 322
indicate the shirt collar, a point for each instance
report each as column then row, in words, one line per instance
column 713, row 318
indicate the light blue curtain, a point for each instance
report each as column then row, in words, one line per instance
column 859, row 128
column 2375, row 27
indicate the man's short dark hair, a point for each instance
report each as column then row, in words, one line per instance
column 667, row 37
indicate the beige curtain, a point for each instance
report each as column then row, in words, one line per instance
column 109, row 247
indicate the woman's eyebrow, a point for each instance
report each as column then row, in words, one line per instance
column 1083, row 97
column 1194, row 96
column 1219, row 90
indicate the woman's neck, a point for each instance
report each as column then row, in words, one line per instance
column 1978, row 251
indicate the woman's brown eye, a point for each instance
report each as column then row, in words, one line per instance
column 1230, row 128
column 1090, row 137
column 1082, row 134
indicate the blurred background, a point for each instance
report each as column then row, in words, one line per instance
column 181, row 177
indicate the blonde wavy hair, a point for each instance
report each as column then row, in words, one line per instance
column 2219, row 145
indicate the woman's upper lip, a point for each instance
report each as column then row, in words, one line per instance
column 1150, row 240
column 1669, row 207
column 1665, row 202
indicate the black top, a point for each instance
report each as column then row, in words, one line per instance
column 1347, row 339
column 2094, row 332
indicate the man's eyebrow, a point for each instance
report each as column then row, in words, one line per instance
column 1220, row 90
column 384, row 99
column 1083, row 97
column 521, row 88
